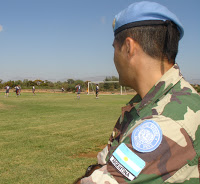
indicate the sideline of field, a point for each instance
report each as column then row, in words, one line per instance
column 53, row 137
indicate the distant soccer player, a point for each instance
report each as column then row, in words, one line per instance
column 17, row 90
column 33, row 90
column 78, row 90
column 97, row 91
column 7, row 90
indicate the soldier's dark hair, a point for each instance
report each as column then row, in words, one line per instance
column 158, row 41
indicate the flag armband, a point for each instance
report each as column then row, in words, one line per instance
column 127, row 162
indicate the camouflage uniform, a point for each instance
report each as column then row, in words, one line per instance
column 175, row 106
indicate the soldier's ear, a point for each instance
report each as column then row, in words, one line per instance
column 130, row 44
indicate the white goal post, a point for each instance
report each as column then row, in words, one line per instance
column 98, row 82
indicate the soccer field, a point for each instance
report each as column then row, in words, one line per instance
column 53, row 137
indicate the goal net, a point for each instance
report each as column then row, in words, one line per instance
column 106, row 87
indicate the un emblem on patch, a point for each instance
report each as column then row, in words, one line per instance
column 147, row 136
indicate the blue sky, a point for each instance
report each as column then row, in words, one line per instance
column 62, row 39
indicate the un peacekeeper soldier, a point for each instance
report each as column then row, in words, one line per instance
column 157, row 137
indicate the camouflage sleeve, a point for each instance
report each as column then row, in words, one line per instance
column 101, row 157
column 99, row 176
column 174, row 161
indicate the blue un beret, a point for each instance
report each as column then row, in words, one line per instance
column 142, row 14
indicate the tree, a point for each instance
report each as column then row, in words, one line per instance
column 70, row 81
column 111, row 86
column 38, row 82
column 18, row 82
column 25, row 83
column 65, row 85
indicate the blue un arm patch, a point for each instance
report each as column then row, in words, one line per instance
column 147, row 136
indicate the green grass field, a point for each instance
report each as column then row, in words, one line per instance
column 53, row 137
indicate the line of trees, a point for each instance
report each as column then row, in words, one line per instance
column 68, row 85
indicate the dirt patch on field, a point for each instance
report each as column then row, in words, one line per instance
column 1, row 106
column 92, row 154
column 36, row 91
column 42, row 91
column 5, row 107
column 87, row 155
